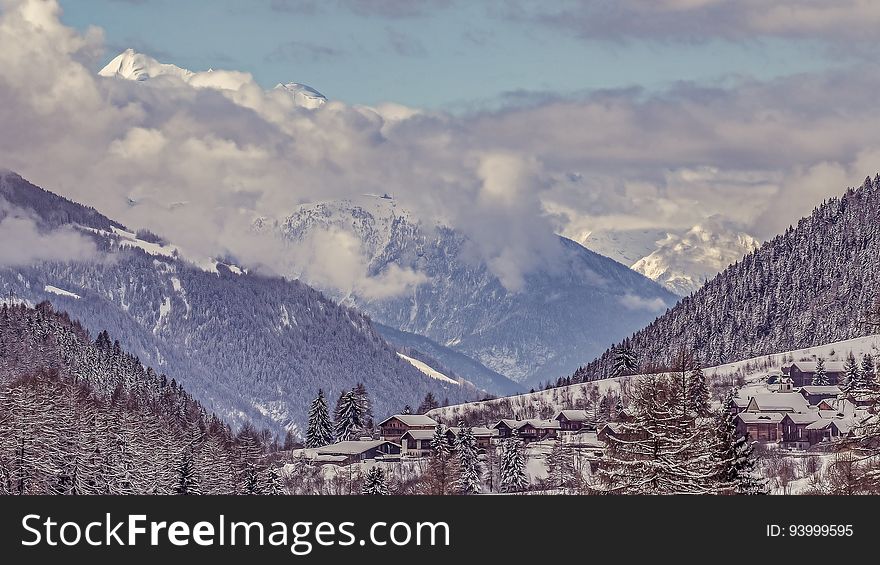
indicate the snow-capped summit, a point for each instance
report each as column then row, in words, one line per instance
column 683, row 262
column 131, row 65
column 303, row 95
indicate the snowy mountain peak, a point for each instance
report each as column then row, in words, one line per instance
column 683, row 262
column 131, row 65
column 303, row 95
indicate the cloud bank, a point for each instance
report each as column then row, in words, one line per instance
column 197, row 159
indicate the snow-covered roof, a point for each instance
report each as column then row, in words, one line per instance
column 761, row 417
column 805, row 418
column 820, row 424
column 419, row 434
column 412, row 420
column 478, row 431
column 329, row 458
column 741, row 402
column 535, row 423
column 573, row 415
column 351, row 447
column 810, row 366
column 778, row 402
column 811, row 389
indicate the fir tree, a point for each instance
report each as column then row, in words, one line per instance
column 348, row 417
column 513, row 465
column 699, row 392
column 852, row 376
column 273, row 483
column 428, row 404
column 868, row 379
column 320, row 429
column 734, row 457
column 438, row 476
column 363, row 397
column 820, row 377
column 561, row 471
column 662, row 450
column 187, row 480
column 375, row 483
column 624, row 361
column 468, row 465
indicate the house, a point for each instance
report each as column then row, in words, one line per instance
column 760, row 426
column 802, row 372
column 618, row 430
column 416, row 442
column 572, row 420
column 739, row 404
column 482, row 435
column 777, row 402
column 794, row 429
column 393, row 428
column 528, row 430
column 354, row 451
column 829, row 429
column 816, row 394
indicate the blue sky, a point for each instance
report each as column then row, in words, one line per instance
column 452, row 55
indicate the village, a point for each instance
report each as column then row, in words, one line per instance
column 779, row 410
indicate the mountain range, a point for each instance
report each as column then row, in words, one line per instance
column 249, row 347
column 564, row 314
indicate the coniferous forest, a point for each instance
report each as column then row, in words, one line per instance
column 82, row 416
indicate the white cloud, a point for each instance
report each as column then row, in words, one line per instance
column 24, row 244
column 199, row 164
column 633, row 302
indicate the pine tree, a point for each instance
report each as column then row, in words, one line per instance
column 438, row 476
column 868, row 379
column 363, row 397
column 273, row 483
column 699, row 392
column 468, row 465
column 513, row 465
column 662, row 450
column 187, row 480
column 624, row 362
column 820, row 378
column 561, row 470
column 375, row 482
column 428, row 404
column 348, row 417
column 733, row 456
column 852, row 376
column 320, row 429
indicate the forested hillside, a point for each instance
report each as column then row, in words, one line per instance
column 85, row 417
column 249, row 347
column 813, row 284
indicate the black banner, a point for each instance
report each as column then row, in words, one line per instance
column 499, row 529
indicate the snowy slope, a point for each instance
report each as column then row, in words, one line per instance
column 559, row 320
column 427, row 369
column 752, row 371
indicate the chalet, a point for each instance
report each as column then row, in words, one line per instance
column 393, row 428
column 739, row 404
column 760, row 426
column 816, row 394
column 416, row 442
column 794, row 429
column 354, row 451
column 482, row 435
column 777, row 402
column 618, row 430
column 573, row 420
column 829, row 429
column 802, row 372
column 528, row 430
